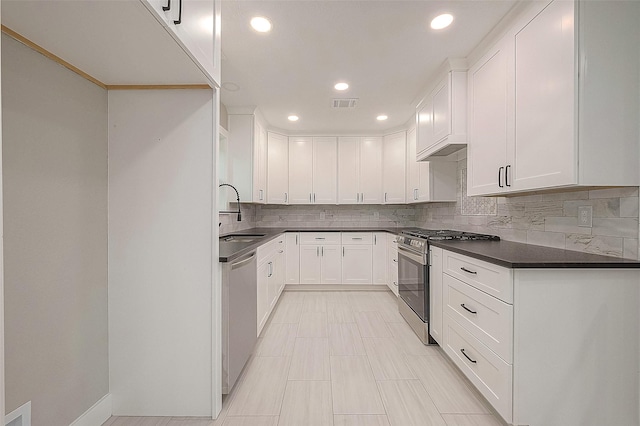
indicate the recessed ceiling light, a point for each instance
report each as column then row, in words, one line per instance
column 381, row 117
column 341, row 86
column 230, row 86
column 293, row 118
column 442, row 21
column 260, row 24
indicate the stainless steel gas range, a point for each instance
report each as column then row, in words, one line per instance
column 413, row 274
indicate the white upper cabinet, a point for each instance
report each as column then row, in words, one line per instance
column 277, row 168
column 441, row 118
column 325, row 170
column 490, row 121
column 313, row 170
column 247, row 157
column 428, row 180
column 360, row 170
column 394, row 160
column 559, row 95
column 195, row 25
column 300, row 170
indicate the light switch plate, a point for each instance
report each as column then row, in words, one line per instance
column 585, row 216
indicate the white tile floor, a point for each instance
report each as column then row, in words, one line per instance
column 342, row 359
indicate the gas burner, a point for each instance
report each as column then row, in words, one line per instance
column 417, row 239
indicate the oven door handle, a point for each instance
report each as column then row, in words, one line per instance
column 411, row 255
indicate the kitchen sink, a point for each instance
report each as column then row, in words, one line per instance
column 242, row 238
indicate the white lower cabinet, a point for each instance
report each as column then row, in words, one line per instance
column 392, row 246
column 357, row 264
column 541, row 345
column 270, row 278
column 292, row 262
column 379, row 267
column 320, row 264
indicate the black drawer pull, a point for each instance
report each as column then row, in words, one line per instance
column 467, row 309
column 466, row 270
column 179, row 20
column 167, row 7
column 467, row 356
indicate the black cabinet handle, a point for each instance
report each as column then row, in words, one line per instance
column 506, row 175
column 167, row 7
column 500, row 177
column 466, row 270
column 467, row 356
column 179, row 21
column 467, row 309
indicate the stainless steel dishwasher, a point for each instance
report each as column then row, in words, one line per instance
column 239, row 316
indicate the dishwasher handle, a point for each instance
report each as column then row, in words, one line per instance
column 247, row 259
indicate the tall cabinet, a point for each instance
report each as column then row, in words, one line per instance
column 247, row 155
column 394, row 167
column 313, row 170
column 277, row 168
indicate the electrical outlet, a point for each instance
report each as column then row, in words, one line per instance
column 585, row 216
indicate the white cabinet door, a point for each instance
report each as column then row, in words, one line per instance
column 490, row 119
column 277, row 168
column 544, row 155
column 436, row 301
column 413, row 168
column 348, row 170
column 300, row 170
column 424, row 129
column 380, row 259
column 325, row 170
column 274, row 284
column 331, row 270
column 371, row 170
column 259, row 164
column 357, row 264
column 392, row 247
column 310, row 264
column 262, row 289
column 394, row 168
column 441, row 111
column 292, row 274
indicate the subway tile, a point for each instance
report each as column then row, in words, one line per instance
column 546, row 208
column 570, row 195
column 547, row 239
column 609, row 246
column 567, row 225
column 615, row 227
column 630, row 248
column 629, row 207
column 629, row 191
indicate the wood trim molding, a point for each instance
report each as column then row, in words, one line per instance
column 59, row 60
column 51, row 56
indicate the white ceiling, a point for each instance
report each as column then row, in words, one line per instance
column 385, row 50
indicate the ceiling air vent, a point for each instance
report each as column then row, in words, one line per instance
column 345, row 103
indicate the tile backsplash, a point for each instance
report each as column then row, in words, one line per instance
column 546, row 219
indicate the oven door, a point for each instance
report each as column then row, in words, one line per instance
column 413, row 283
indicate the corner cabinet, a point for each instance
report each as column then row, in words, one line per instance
column 441, row 118
column 553, row 105
column 195, row 25
column 428, row 181
column 359, row 166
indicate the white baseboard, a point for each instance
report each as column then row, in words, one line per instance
column 97, row 414
column 335, row 287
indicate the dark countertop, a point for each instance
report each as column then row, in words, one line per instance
column 521, row 256
column 232, row 250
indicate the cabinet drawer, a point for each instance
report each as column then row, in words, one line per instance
column 271, row 247
column 357, row 238
column 490, row 278
column 488, row 372
column 320, row 238
column 488, row 319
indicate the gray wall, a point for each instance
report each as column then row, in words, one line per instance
column 55, row 242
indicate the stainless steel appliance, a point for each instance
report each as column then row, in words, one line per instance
column 413, row 274
column 239, row 316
